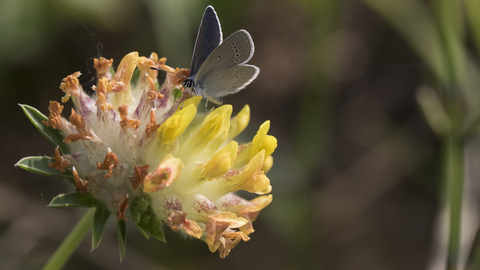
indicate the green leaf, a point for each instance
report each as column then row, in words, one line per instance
column 99, row 222
column 51, row 134
column 74, row 199
column 122, row 237
column 40, row 165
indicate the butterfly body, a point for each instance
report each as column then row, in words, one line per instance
column 219, row 68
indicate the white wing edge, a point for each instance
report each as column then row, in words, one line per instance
column 250, row 40
column 257, row 71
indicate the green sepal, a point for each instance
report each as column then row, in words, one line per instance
column 140, row 204
column 142, row 230
column 74, row 200
column 122, row 237
column 53, row 135
column 154, row 227
column 135, row 215
column 39, row 165
column 102, row 214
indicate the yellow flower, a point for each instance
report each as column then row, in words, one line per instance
column 216, row 124
column 185, row 176
column 239, row 122
column 176, row 124
column 219, row 164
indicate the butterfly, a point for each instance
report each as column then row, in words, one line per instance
column 218, row 68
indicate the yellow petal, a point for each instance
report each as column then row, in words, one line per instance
column 126, row 67
column 253, row 179
column 267, row 164
column 217, row 228
column 216, row 124
column 239, row 122
column 176, row 124
column 269, row 144
column 193, row 100
column 230, row 218
column 260, row 142
column 177, row 220
column 221, row 162
column 258, row 139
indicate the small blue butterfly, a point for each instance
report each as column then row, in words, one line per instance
column 218, row 68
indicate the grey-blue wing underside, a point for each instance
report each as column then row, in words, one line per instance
column 224, row 72
column 227, row 81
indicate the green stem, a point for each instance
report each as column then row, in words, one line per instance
column 68, row 246
column 454, row 184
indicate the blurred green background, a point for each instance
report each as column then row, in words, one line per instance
column 357, row 175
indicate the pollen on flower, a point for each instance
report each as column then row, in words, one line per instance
column 80, row 125
column 127, row 122
column 102, row 66
column 140, row 173
column 70, row 86
column 152, row 126
column 55, row 117
column 81, row 185
column 108, row 163
column 122, row 208
column 60, row 163
column 101, row 91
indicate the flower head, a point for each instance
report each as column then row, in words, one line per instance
column 134, row 146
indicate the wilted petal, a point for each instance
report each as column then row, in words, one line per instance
column 164, row 175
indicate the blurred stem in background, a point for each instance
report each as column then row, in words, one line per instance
column 438, row 37
column 71, row 242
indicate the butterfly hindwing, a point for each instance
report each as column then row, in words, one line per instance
column 228, row 81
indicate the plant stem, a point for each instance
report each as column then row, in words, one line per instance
column 454, row 183
column 68, row 246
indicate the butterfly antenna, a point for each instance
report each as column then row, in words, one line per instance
column 169, row 72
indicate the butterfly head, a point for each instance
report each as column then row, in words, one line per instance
column 188, row 83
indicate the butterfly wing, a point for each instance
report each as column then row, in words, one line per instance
column 208, row 38
column 228, row 81
column 224, row 72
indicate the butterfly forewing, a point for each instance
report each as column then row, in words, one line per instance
column 208, row 38
column 236, row 49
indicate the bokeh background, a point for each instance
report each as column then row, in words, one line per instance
column 357, row 175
